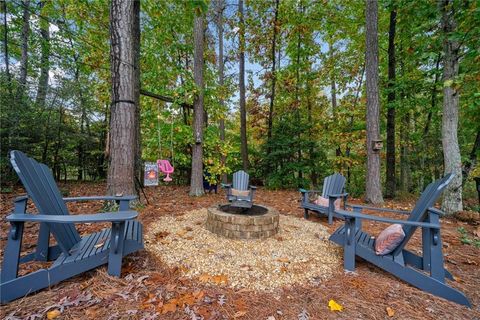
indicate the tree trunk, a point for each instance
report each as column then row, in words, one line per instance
column 274, row 76
column 243, row 111
column 390, row 174
column 5, row 48
column 426, row 130
column 405, row 171
column 221, row 77
column 136, row 92
column 24, row 57
column 297, row 104
column 452, row 199
column 373, row 185
column 44, row 60
column 333, row 85
column 196, row 182
column 122, row 144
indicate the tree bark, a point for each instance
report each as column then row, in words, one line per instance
column 243, row 111
column 44, row 60
column 390, row 174
column 122, row 144
column 5, row 48
column 196, row 182
column 405, row 170
column 24, row 57
column 136, row 65
column 373, row 184
column 274, row 76
column 221, row 77
column 452, row 199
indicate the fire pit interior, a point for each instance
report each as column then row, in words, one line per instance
column 257, row 222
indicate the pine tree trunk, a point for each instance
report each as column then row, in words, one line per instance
column 196, row 182
column 405, row 171
column 24, row 58
column 373, row 185
column 136, row 64
column 44, row 60
column 390, row 174
column 221, row 77
column 243, row 111
column 5, row 48
column 122, row 144
column 274, row 76
column 452, row 198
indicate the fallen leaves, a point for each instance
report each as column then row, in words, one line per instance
column 334, row 306
column 390, row 312
column 53, row 314
column 217, row 279
column 100, row 243
column 187, row 299
column 239, row 314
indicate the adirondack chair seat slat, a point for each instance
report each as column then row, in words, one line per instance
column 333, row 189
column 426, row 272
column 73, row 254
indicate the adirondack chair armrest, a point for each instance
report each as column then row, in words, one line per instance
column 226, row 185
column 21, row 198
column 436, row 211
column 355, row 206
column 113, row 198
column 310, row 191
column 356, row 215
column 253, row 187
column 338, row 195
column 79, row 218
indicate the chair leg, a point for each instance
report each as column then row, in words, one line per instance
column 305, row 214
column 116, row 249
column 349, row 248
column 41, row 252
column 11, row 255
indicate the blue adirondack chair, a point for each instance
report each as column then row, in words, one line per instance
column 333, row 189
column 240, row 183
column 72, row 254
column 426, row 272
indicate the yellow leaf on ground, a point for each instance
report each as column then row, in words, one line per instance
column 53, row 314
column 334, row 306
column 390, row 312
column 284, row 259
column 239, row 314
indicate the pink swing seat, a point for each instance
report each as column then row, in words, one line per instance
column 165, row 167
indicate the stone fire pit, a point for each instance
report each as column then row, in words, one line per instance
column 258, row 222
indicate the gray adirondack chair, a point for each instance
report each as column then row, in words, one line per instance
column 333, row 189
column 72, row 254
column 240, row 182
column 425, row 272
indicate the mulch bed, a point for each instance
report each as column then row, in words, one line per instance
column 150, row 289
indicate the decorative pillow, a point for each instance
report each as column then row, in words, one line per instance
column 321, row 201
column 240, row 193
column 389, row 239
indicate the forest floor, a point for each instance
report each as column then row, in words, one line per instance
column 150, row 289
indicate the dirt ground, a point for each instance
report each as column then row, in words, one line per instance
column 149, row 289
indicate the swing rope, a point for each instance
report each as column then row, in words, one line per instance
column 159, row 134
column 171, row 139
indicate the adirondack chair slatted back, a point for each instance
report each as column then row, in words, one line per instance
column 427, row 199
column 41, row 187
column 334, row 184
column 240, row 180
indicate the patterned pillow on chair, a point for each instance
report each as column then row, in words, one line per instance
column 389, row 239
